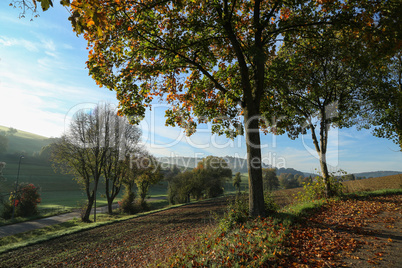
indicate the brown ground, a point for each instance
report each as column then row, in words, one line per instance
column 382, row 246
column 132, row 243
column 368, row 232
column 348, row 233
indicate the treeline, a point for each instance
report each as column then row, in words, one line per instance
column 204, row 181
column 273, row 182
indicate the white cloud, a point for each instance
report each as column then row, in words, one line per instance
column 48, row 44
column 11, row 42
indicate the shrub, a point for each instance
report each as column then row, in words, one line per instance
column 315, row 190
column 141, row 205
column 127, row 203
column 25, row 200
column 237, row 213
column 82, row 208
column 270, row 205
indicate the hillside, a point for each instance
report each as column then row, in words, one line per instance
column 24, row 143
column 240, row 165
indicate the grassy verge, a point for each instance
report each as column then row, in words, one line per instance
column 252, row 243
column 365, row 194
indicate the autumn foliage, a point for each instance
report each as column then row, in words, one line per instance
column 209, row 60
column 25, row 200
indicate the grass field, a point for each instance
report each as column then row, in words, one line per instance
column 387, row 182
column 25, row 143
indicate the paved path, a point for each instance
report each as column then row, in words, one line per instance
column 21, row 227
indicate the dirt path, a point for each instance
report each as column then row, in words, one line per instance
column 132, row 243
column 349, row 233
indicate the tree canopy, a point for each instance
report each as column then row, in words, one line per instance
column 385, row 101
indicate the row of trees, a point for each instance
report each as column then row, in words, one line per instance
column 284, row 181
column 219, row 62
column 101, row 144
column 4, row 139
column 204, row 181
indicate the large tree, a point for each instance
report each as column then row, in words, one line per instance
column 208, row 59
column 322, row 78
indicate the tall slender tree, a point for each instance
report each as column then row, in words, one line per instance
column 122, row 143
column 321, row 78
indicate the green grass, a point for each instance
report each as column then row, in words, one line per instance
column 25, row 143
column 365, row 194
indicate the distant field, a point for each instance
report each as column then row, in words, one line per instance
column 285, row 197
column 56, row 189
column 387, row 182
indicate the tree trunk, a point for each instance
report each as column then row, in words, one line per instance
column 110, row 205
column 253, row 142
column 324, row 127
column 325, row 174
column 85, row 217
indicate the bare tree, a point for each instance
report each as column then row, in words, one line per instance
column 123, row 142
column 94, row 146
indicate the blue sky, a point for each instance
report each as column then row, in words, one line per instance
column 43, row 81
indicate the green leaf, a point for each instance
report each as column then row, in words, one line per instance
column 46, row 4
column 65, row 2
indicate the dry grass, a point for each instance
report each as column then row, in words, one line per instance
column 286, row 197
column 373, row 184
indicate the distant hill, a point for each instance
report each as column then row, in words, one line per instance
column 293, row 171
column 22, row 142
column 236, row 164
column 376, row 174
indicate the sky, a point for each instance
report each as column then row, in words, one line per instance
column 44, row 81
